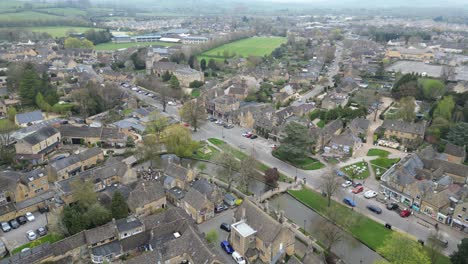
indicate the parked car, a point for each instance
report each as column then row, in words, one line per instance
column 356, row 184
column 245, row 134
column 226, row 247
column 42, row 231
column 5, row 227
column 273, row 146
column 358, row 189
column 13, row 223
column 374, row 209
column 228, row 126
column 238, row 258
column 171, row 103
column 392, row 206
column 31, row 235
column 21, row 220
column 349, row 202
column 225, row 227
column 220, row 208
column 370, row 194
column 346, row 184
column 405, row 213
column 253, row 137
column 30, row 216
column 44, row 209
column 25, row 249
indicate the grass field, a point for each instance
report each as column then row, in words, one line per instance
column 378, row 152
column 115, row 46
column 306, row 163
column 256, row 46
column 58, row 32
column 354, row 171
column 65, row 11
column 27, row 16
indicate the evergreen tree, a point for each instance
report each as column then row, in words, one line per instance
column 174, row 82
column 203, row 64
column 119, row 207
column 29, row 85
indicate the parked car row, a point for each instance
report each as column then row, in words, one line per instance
column 138, row 90
column 249, row 134
column 33, row 235
column 235, row 255
column 17, row 222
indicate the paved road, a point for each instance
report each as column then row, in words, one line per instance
column 17, row 237
column 213, row 224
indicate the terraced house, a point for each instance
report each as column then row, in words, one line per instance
column 72, row 165
column 35, row 147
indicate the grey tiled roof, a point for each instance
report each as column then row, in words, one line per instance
column 127, row 224
column 176, row 171
column 406, row 127
column 145, row 193
column 195, row 199
column 100, row 233
column 455, row 150
column 40, row 135
column 29, row 117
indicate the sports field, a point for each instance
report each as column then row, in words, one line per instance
column 59, row 31
column 115, row 46
column 255, row 46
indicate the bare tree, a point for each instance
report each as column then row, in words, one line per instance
column 448, row 72
column 332, row 234
column 228, row 165
column 247, row 170
column 157, row 124
column 165, row 93
column 193, row 112
column 6, row 150
column 330, row 185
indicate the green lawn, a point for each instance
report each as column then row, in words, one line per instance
column 321, row 123
column 115, row 46
column 385, row 163
column 58, row 32
column 65, row 11
column 51, row 238
column 28, row 16
column 196, row 93
column 358, row 170
column 378, row 152
column 306, row 163
column 370, row 232
column 255, row 46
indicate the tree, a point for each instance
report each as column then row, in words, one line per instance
column 166, row 76
column 211, row 236
column 119, row 207
column 248, row 170
column 228, row 165
column 203, row 65
column 196, row 84
column 444, row 108
column 11, row 113
column 75, row 43
column 407, row 85
column 83, row 193
column 406, row 110
column 191, row 61
column 97, row 215
column 330, row 185
column 174, row 82
column 193, row 112
column 296, row 144
column 457, row 134
column 150, row 149
column 178, row 140
column 400, row 249
column 6, row 150
column 157, row 124
column 331, row 234
column 448, row 72
column 434, row 249
column 272, row 176
column 73, row 219
column 432, row 89
column 29, row 85
column 461, row 255
column 212, row 65
column 42, row 104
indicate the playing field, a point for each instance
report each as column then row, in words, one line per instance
column 256, row 46
column 115, row 46
column 59, row 31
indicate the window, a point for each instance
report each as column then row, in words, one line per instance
column 464, row 209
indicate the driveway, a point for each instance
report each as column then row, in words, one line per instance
column 17, row 237
column 213, row 224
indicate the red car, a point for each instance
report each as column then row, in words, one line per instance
column 358, row 189
column 405, row 213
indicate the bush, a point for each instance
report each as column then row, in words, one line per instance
column 211, row 236
column 196, row 84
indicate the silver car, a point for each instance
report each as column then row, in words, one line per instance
column 6, row 227
column 31, row 235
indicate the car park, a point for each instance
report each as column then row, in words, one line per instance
column 346, row 184
column 227, row 247
column 225, row 227
column 349, row 202
column 238, row 258
column 30, row 216
column 31, row 235
column 405, row 213
column 374, row 209
column 21, row 220
column 5, row 227
column 42, row 231
column 13, row 223
column 358, row 189
column 370, row 194
column 392, row 206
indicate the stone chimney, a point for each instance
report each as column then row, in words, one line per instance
column 243, row 213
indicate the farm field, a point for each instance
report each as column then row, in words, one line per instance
column 115, row 46
column 58, row 32
column 27, row 16
column 64, row 11
column 255, row 46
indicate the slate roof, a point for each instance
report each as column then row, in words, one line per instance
column 126, row 224
column 455, row 150
column 29, row 117
column 84, row 131
column 359, row 125
column 33, row 175
column 100, row 233
column 107, row 249
column 40, row 135
column 9, row 179
column 204, row 187
column 145, row 193
column 406, row 127
column 69, row 243
column 73, row 159
column 195, row 199
column 267, row 228
column 176, row 171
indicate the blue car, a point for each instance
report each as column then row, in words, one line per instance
column 227, row 247
column 349, row 202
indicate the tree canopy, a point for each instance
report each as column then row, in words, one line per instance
column 178, row 140
column 461, row 255
column 76, row 43
column 119, row 207
column 296, row 144
column 457, row 134
column 444, row 108
column 432, row 89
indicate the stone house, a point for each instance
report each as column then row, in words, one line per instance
column 106, row 136
column 74, row 164
column 454, row 153
column 409, row 134
column 410, row 53
column 344, row 144
column 255, row 235
column 460, row 215
column 211, row 191
column 223, row 106
column 359, row 127
column 146, row 198
column 177, row 176
column 198, row 206
column 184, row 73
column 323, row 135
column 36, row 146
